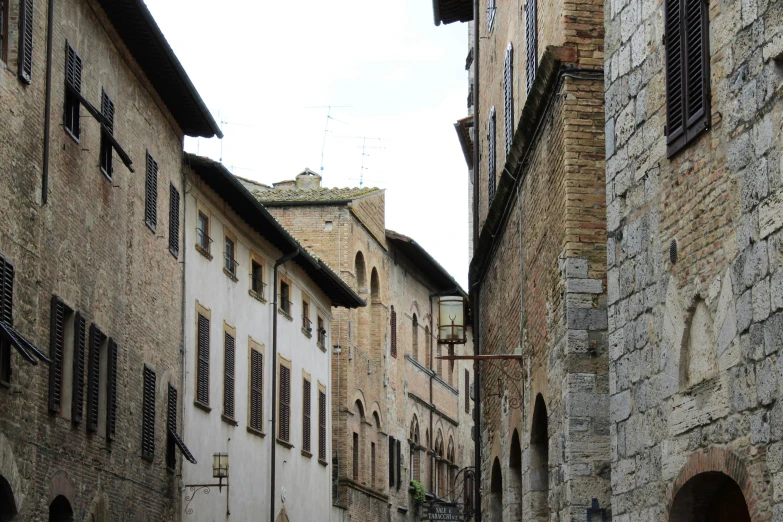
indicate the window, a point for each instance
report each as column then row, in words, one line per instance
column 440, row 361
column 5, row 361
column 415, row 337
column 256, row 390
column 306, row 399
column 97, row 381
column 686, row 30
column 64, row 331
column 107, row 128
column 321, row 332
column 173, row 221
column 322, row 423
column 391, row 461
column 230, row 254
column 508, row 95
column 492, row 157
column 531, row 40
column 148, row 415
column 257, row 278
column 393, row 329
column 229, row 336
column 355, row 456
column 26, row 40
column 172, row 437
column 372, row 464
column 73, row 89
column 284, row 408
column 490, row 14
column 202, row 233
column 467, row 391
column 307, row 324
column 285, row 298
column 399, row 465
column 4, row 31
column 151, row 193
column 202, row 363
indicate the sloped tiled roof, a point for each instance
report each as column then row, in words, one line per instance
column 314, row 195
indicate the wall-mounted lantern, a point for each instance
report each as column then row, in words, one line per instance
column 220, row 466
column 219, row 471
column 451, row 319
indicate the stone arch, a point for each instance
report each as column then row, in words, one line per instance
column 705, row 474
column 375, row 412
column 414, row 309
column 61, row 510
column 496, row 492
column 9, row 473
column 698, row 359
column 515, row 477
column 358, row 397
column 62, row 486
column 360, row 270
column 539, row 461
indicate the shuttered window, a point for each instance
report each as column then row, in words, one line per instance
column 284, row 413
column 4, row 31
column 79, row 348
column 151, row 193
column 393, row 330
column 202, row 368
column 508, row 97
column 111, row 390
column 490, row 14
column 96, row 352
column 306, row 400
column 322, row 425
column 256, row 390
column 391, row 461
column 26, row 40
column 148, row 415
column 491, row 166
column 171, row 421
column 107, row 129
column 355, row 456
column 686, row 27
column 467, row 391
column 399, row 465
column 73, row 87
column 228, row 383
column 56, row 352
column 372, row 464
column 173, row 220
column 531, row 42
column 6, row 316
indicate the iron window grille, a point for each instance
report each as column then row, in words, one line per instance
column 285, row 305
column 257, row 284
column 230, row 262
column 307, row 324
column 321, row 333
column 203, row 239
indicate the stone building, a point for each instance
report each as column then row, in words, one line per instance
column 92, row 274
column 538, row 271
column 398, row 414
column 695, row 278
column 240, row 329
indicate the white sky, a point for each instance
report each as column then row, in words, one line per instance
column 259, row 65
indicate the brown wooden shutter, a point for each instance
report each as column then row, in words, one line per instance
column 79, row 347
column 171, row 421
column 6, row 291
column 26, row 40
column 228, row 383
column 93, row 376
column 111, row 390
column 73, row 82
column 508, row 95
column 322, row 425
column 256, row 390
column 148, row 415
column 393, row 328
column 491, row 167
column 174, row 221
column 107, row 128
column 391, row 461
column 531, row 40
column 202, row 370
column 284, row 415
column 151, row 193
column 399, row 467
column 306, row 399
column 57, row 342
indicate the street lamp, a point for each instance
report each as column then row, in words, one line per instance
column 451, row 320
column 220, row 472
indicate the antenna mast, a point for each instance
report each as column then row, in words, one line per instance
column 326, row 126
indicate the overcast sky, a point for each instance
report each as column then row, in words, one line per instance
column 260, row 66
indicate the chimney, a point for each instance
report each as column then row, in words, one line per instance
column 308, row 180
column 288, row 184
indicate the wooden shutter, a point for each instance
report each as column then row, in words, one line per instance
column 531, row 41
column 174, row 221
column 467, row 391
column 107, row 110
column 26, row 40
column 111, row 391
column 202, row 369
column 93, row 376
column 151, row 193
column 491, row 135
column 6, row 291
column 322, row 425
column 508, row 95
column 107, row 129
column 256, row 390
column 284, row 415
column 372, row 464
column 355, row 456
column 391, row 461
column 306, row 399
column 79, row 347
column 56, row 354
column 148, row 415
column 228, row 383
column 399, row 466
column 171, row 421
column 393, row 328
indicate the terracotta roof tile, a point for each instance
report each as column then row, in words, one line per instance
column 315, row 195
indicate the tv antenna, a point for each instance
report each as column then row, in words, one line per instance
column 326, row 126
column 224, row 122
column 365, row 154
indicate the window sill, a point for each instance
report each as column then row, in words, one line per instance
column 202, row 406
column 285, row 314
column 71, row 134
column 106, row 174
column 256, row 432
column 231, row 276
column 322, row 347
column 307, row 334
column 174, row 253
column 229, row 420
column 255, row 295
column 284, row 443
column 150, row 226
column 203, row 251
column 322, row 462
column 307, row 454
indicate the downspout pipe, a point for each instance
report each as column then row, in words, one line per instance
column 47, row 104
column 182, row 313
column 430, row 442
column 281, row 261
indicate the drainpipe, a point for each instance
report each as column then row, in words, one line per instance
column 279, row 262
column 433, row 463
column 47, row 104
column 182, row 350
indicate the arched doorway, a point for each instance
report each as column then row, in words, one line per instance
column 60, row 510
column 710, row 497
column 515, row 478
column 539, row 462
column 496, row 493
column 7, row 501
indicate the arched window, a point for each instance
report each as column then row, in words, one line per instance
column 710, row 497
column 7, row 501
column 60, row 510
column 440, row 467
column 361, row 272
column 515, row 478
column 415, row 463
column 427, row 359
column 415, row 337
column 496, row 492
column 358, row 438
column 539, row 462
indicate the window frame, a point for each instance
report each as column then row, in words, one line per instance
column 258, row 348
column 72, row 104
column 257, row 261
column 307, row 410
column 203, row 241
column 285, row 310
column 202, row 311
column 151, row 192
column 307, row 323
column 281, row 364
column 230, row 263
column 229, row 374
